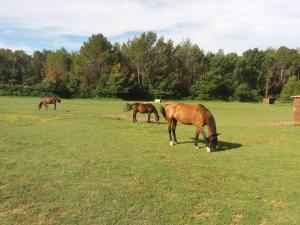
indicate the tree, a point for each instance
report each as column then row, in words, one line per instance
column 268, row 68
column 57, row 72
column 292, row 87
column 162, row 66
column 139, row 53
column 249, row 69
column 38, row 67
column 244, row 94
column 212, row 86
column 189, row 64
column 94, row 60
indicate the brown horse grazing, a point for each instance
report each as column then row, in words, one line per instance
column 142, row 108
column 196, row 115
column 49, row 100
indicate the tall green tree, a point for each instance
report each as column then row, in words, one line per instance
column 189, row 64
column 57, row 72
column 249, row 69
column 269, row 65
column 139, row 53
column 94, row 60
column 38, row 67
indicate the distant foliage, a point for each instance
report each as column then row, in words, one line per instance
column 19, row 90
column 149, row 66
column 292, row 87
column 212, row 86
column 244, row 94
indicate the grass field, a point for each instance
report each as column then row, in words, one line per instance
column 87, row 163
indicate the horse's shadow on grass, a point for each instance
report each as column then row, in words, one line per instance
column 223, row 145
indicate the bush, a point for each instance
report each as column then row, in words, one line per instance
column 212, row 86
column 244, row 94
column 292, row 87
column 19, row 90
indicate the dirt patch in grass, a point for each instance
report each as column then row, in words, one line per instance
column 263, row 222
column 273, row 203
column 286, row 123
column 3, row 147
column 200, row 214
column 237, row 219
column 27, row 118
column 116, row 117
column 143, row 119
column 204, row 214
column 21, row 209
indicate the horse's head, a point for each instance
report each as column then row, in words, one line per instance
column 128, row 107
column 58, row 100
column 212, row 142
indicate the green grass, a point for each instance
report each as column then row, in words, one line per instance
column 87, row 163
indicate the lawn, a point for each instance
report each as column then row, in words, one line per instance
column 87, row 163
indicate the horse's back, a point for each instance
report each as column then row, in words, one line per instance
column 47, row 100
column 186, row 113
column 145, row 107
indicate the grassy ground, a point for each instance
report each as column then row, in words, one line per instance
column 87, row 163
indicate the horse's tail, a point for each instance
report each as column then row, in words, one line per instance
column 163, row 111
column 127, row 107
column 40, row 105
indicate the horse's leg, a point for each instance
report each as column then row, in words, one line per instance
column 134, row 116
column 46, row 105
column 149, row 115
column 174, row 124
column 169, row 130
column 198, row 130
column 54, row 106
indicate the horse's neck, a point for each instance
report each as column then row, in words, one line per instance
column 211, row 125
column 135, row 105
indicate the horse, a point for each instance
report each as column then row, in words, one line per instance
column 197, row 115
column 142, row 108
column 49, row 100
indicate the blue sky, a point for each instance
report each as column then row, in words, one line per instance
column 232, row 25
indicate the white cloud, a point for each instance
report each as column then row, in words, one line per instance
column 234, row 25
column 17, row 46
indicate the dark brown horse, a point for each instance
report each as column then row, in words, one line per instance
column 196, row 115
column 49, row 100
column 142, row 108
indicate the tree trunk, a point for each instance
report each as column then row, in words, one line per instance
column 267, row 87
column 281, row 75
column 138, row 73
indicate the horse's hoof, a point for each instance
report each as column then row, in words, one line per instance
column 208, row 149
column 171, row 143
column 196, row 147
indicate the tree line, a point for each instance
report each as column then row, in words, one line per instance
column 149, row 66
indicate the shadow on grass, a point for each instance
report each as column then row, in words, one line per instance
column 223, row 145
column 127, row 118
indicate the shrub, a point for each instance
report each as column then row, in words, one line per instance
column 292, row 87
column 212, row 86
column 244, row 94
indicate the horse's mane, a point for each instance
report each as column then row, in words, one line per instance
column 210, row 120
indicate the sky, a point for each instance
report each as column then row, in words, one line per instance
column 231, row 25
